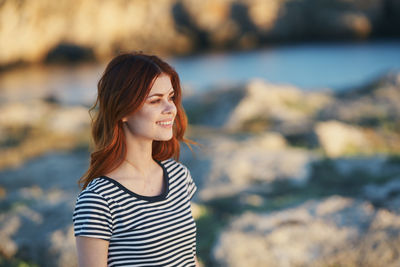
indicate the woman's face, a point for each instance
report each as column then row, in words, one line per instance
column 154, row 120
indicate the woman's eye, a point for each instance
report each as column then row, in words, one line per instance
column 171, row 98
column 155, row 101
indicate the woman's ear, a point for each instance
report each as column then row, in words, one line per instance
column 124, row 119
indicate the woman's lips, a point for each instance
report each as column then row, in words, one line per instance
column 165, row 123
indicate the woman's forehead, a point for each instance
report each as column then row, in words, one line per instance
column 162, row 85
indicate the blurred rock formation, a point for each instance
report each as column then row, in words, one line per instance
column 364, row 120
column 35, row 218
column 83, row 30
column 250, row 165
column 328, row 232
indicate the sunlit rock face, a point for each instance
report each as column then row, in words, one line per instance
column 258, row 106
column 364, row 120
column 275, row 105
column 43, row 30
column 337, row 138
column 40, row 27
column 332, row 231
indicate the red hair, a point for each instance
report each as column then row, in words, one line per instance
column 122, row 90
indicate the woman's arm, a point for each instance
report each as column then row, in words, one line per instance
column 92, row 252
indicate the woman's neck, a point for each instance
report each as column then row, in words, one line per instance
column 140, row 159
column 139, row 153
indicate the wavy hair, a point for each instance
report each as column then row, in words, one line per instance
column 122, row 90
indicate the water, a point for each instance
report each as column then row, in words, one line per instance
column 307, row 66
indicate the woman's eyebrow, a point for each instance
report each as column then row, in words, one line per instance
column 170, row 93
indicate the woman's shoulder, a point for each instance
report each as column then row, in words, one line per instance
column 172, row 163
column 97, row 183
column 98, row 186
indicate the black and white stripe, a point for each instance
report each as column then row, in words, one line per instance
column 141, row 230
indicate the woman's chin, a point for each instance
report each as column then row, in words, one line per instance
column 164, row 138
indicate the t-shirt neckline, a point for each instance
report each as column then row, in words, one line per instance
column 162, row 196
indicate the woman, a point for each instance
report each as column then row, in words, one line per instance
column 134, row 209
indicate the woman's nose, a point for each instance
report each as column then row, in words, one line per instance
column 169, row 107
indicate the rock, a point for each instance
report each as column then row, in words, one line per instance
column 209, row 20
column 380, row 193
column 376, row 165
column 332, row 231
column 39, row 114
column 264, row 14
column 62, row 248
column 8, row 228
column 392, row 203
column 83, row 29
column 363, row 120
column 256, row 107
column 275, row 104
column 16, row 114
column 69, row 53
column 267, row 141
column 69, row 120
column 373, row 104
column 338, row 139
column 36, row 213
column 99, row 28
column 33, row 128
column 199, row 106
column 238, row 166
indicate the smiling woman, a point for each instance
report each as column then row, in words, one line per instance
column 157, row 114
column 134, row 209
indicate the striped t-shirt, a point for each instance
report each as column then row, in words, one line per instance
column 141, row 230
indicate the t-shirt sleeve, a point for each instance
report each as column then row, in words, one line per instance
column 191, row 186
column 92, row 216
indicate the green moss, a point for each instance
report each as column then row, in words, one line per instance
column 256, row 124
column 14, row 262
column 299, row 105
column 225, row 206
column 208, row 228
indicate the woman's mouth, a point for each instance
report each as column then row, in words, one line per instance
column 165, row 124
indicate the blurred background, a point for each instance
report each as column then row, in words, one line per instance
column 296, row 105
